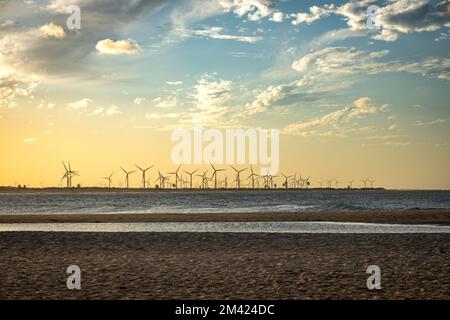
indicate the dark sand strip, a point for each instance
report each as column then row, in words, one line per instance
column 441, row 217
column 223, row 266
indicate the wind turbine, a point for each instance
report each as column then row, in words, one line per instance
column 176, row 176
column 143, row 174
column 238, row 176
column 336, row 183
column 272, row 184
column 365, row 183
column 127, row 176
column 215, row 175
column 371, row 183
column 204, row 183
column 252, row 176
column 350, row 184
column 109, row 180
column 329, row 182
column 307, row 183
column 286, row 180
column 68, row 174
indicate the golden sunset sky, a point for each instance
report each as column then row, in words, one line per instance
column 350, row 102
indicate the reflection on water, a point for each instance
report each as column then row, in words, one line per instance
column 240, row 227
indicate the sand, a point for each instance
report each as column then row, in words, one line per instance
column 223, row 266
column 441, row 217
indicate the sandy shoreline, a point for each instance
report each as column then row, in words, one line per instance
column 223, row 265
column 441, row 217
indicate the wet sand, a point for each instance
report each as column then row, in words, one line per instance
column 223, row 265
column 441, row 217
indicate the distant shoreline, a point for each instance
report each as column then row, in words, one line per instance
column 104, row 189
column 439, row 217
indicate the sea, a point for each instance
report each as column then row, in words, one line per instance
column 218, row 201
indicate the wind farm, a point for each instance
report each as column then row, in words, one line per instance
column 196, row 181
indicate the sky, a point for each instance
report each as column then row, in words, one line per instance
column 353, row 95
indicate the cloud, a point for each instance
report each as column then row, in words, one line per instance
column 139, row 100
column 394, row 17
column 110, row 111
column 163, row 103
column 344, row 61
column 360, row 108
column 14, row 84
column 49, row 105
column 113, row 110
column 273, row 95
column 157, row 116
column 80, row 104
column 420, row 123
column 109, row 46
column 210, row 93
column 51, row 30
column 278, row 17
column 174, row 83
column 315, row 13
column 254, row 10
column 215, row 33
column 29, row 140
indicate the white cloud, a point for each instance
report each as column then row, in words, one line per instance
column 277, row 17
column 51, row 30
column 431, row 123
column 113, row 110
column 211, row 94
column 168, row 102
column 343, row 61
column 139, row 100
column 254, row 9
column 49, row 105
column 360, row 108
column 395, row 17
column 108, row 46
column 216, row 33
column 157, row 116
column 80, row 104
column 315, row 13
column 14, row 84
column 174, row 83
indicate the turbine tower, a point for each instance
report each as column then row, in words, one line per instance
column 176, row 176
column 190, row 175
column 109, row 180
column 365, row 183
column 127, row 174
column 252, row 176
column 68, row 174
column 238, row 176
column 215, row 175
column 286, row 180
column 143, row 174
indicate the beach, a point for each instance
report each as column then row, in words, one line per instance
column 223, row 265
